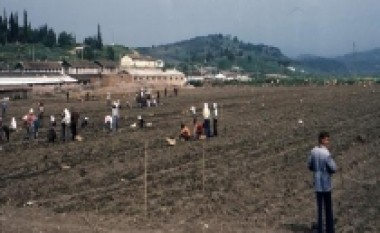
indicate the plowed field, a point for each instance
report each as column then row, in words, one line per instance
column 252, row 177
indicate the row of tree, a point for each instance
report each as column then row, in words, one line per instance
column 12, row 32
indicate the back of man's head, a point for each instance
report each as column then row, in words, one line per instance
column 322, row 135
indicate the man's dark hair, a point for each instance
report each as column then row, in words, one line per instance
column 322, row 135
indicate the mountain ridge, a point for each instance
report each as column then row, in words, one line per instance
column 359, row 63
column 221, row 51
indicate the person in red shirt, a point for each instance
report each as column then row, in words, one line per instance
column 185, row 132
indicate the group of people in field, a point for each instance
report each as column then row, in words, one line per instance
column 32, row 122
column 201, row 129
column 70, row 119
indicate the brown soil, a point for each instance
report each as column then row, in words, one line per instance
column 254, row 178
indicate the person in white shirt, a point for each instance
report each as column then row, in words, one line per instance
column 206, row 119
column 65, row 123
column 108, row 123
column 115, row 115
column 13, row 124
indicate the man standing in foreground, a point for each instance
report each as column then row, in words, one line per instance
column 323, row 166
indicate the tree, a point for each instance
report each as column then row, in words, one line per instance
column 66, row 40
column 99, row 39
column 42, row 33
column 12, row 30
column 3, row 30
column 51, row 38
column 249, row 58
column 209, row 56
column 91, row 42
column 88, row 53
column 110, row 53
column 25, row 37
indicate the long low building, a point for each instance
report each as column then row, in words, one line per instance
column 36, row 80
column 157, row 77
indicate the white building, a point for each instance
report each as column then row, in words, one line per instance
column 158, row 77
column 138, row 61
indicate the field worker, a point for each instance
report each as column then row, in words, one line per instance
column 73, row 124
column 193, row 112
column 41, row 110
column 13, row 126
column 51, row 134
column 108, row 123
column 30, row 124
column 198, row 130
column 148, row 102
column 206, row 118
column 4, row 131
column 52, row 121
column 115, row 115
column 84, row 122
column 25, row 126
column 158, row 97
column 215, row 119
column 141, row 121
column 323, row 166
column 65, row 123
column 184, row 133
column 4, row 107
column 154, row 102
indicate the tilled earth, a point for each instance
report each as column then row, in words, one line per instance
column 252, row 177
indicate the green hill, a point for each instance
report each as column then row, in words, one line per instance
column 219, row 51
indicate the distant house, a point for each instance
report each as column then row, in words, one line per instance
column 138, row 61
column 40, row 67
column 291, row 68
column 108, row 67
column 237, row 76
column 82, row 67
column 220, row 77
column 195, row 78
column 276, row 76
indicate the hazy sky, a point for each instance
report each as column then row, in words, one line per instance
column 321, row 27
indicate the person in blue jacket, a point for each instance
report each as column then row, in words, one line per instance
column 321, row 163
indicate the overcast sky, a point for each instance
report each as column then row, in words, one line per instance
column 320, row 27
